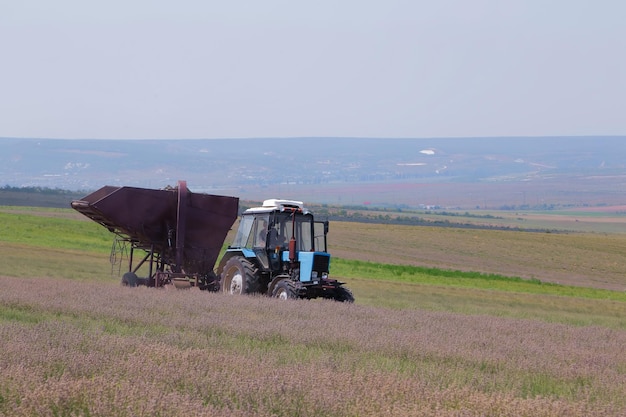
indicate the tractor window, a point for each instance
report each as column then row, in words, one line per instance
column 303, row 228
column 243, row 232
column 254, row 230
column 259, row 231
column 321, row 229
column 305, row 242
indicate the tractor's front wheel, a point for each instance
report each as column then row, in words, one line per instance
column 239, row 276
column 283, row 290
column 344, row 295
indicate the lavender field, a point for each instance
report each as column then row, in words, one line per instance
column 87, row 348
column 76, row 343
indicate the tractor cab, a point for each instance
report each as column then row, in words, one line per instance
column 279, row 243
column 278, row 222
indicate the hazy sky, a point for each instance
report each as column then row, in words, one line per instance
column 283, row 68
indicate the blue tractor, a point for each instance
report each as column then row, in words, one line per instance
column 281, row 251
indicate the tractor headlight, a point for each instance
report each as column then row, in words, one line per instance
column 325, row 275
column 314, row 275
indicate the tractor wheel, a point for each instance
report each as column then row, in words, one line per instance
column 344, row 295
column 283, row 290
column 239, row 276
column 129, row 279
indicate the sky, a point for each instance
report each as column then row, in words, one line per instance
column 155, row 69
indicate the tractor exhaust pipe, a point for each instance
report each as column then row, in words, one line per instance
column 292, row 250
column 292, row 241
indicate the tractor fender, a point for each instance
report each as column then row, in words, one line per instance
column 246, row 253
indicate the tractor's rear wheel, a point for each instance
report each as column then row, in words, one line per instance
column 239, row 276
column 283, row 290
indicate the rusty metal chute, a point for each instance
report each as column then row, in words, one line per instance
column 184, row 230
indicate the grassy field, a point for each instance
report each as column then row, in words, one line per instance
column 443, row 325
column 584, row 259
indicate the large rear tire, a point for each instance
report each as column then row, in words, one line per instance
column 239, row 276
column 283, row 290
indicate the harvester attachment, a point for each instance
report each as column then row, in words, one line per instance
column 180, row 232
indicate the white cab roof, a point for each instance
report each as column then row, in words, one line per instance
column 277, row 204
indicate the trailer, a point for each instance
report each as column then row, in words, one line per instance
column 179, row 233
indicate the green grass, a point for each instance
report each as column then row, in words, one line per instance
column 53, row 232
column 44, row 243
column 434, row 276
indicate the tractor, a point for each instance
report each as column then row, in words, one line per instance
column 280, row 250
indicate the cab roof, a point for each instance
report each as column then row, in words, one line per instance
column 275, row 204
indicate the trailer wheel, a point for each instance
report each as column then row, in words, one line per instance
column 239, row 277
column 344, row 295
column 283, row 290
column 129, row 279
column 209, row 282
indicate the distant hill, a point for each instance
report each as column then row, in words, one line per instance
column 453, row 172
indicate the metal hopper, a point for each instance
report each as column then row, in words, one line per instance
column 181, row 232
